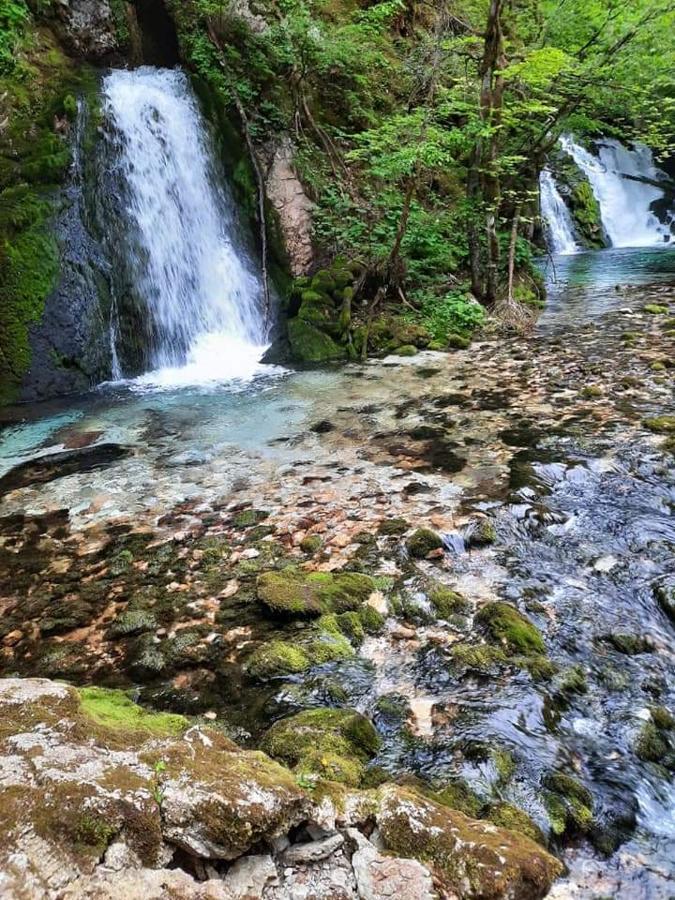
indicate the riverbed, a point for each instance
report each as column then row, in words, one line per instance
column 546, row 436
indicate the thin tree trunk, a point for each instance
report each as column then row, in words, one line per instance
column 512, row 250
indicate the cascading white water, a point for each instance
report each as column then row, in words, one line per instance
column 202, row 294
column 557, row 218
column 624, row 203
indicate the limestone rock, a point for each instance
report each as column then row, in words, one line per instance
column 379, row 877
column 470, row 858
column 249, row 876
column 293, row 206
column 87, row 27
column 77, row 788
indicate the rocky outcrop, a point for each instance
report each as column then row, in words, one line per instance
column 101, row 799
column 90, row 28
column 293, row 207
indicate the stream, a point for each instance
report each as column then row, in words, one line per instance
column 543, row 434
column 136, row 518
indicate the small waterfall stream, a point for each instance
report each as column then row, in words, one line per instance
column 200, row 290
column 557, row 218
column 625, row 203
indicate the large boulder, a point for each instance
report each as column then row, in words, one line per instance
column 81, row 773
column 471, row 858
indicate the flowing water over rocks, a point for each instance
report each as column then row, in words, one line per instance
column 545, row 464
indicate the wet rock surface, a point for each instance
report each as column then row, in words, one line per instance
column 495, row 667
column 101, row 800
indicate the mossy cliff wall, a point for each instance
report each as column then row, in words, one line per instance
column 576, row 191
column 50, row 277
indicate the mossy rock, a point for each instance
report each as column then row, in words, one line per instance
column 248, row 518
column 456, row 341
column 116, row 710
column 373, row 621
column 655, row 309
column 406, row 350
column 329, row 743
column 629, row 644
column 569, row 804
column 470, row 858
column 391, row 527
column 505, row 625
column 481, row 658
column 507, row 816
column 309, row 344
column 665, row 597
column 480, row 533
column 276, row 659
column 294, row 594
column 446, row 602
column 311, row 544
column 655, row 742
column 458, row 795
column 422, row 542
column 661, row 424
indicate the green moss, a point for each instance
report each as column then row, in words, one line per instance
column 661, row 424
column 406, row 350
column 247, row 518
column 505, row 765
column 506, row 816
column 392, row 527
column 372, row 621
column 422, row 542
column 655, row 741
column 115, row 710
column 458, row 795
column 586, row 213
column 330, row 743
column 446, row 602
column 574, row 681
column 662, row 718
column 505, row 625
column 591, row 391
column 94, row 831
column 569, row 804
column 480, row 657
column 298, row 594
column 276, row 659
column 655, row 309
column 352, row 627
column 629, row 644
column 310, row 344
column 456, row 342
column 481, row 533
column 311, row 544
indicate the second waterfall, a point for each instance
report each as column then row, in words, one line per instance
column 196, row 289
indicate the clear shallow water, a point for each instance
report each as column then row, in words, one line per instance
column 584, row 286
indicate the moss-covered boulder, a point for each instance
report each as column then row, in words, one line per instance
column 569, row 804
column 294, row 594
column 656, row 740
column 661, row 424
column 91, row 769
column 334, row 744
column 422, row 542
column 471, row 859
column 503, row 624
column 311, row 345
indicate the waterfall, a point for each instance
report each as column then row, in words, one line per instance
column 625, row 204
column 201, row 293
column 557, row 218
